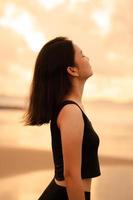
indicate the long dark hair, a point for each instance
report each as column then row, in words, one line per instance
column 51, row 81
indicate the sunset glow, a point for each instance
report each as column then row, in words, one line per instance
column 104, row 32
column 96, row 29
column 21, row 22
column 49, row 4
column 102, row 20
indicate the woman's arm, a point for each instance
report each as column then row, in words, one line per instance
column 71, row 125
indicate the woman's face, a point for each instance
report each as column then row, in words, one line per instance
column 82, row 63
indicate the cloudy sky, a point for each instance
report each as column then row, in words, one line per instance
column 102, row 28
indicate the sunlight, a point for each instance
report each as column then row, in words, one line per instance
column 53, row 3
column 111, row 56
column 72, row 5
column 21, row 22
column 109, row 88
column 77, row 1
column 49, row 4
column 102, row 16
column 102, row 19
column 85, row 17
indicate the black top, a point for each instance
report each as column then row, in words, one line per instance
column 90, row 164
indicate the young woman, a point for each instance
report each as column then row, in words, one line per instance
column 60, row 73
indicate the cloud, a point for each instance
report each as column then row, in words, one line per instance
column 17, row 62
column 13, row 49
column 21, row 22
column 103, row 29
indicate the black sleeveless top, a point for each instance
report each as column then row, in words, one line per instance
column 90, row 163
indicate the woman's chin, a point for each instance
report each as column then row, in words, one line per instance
column 91, row 73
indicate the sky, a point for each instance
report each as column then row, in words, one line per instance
column 103, row 30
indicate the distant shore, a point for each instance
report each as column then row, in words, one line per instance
column 19, row 103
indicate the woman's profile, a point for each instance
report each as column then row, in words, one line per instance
column 60, row 73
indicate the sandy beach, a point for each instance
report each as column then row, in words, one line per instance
column 27, row 165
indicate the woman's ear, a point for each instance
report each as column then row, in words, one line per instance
column 73, row 71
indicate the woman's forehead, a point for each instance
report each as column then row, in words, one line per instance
column 77, row 48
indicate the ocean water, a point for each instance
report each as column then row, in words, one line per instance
column 26, row 161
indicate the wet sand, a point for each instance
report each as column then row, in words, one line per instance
column 16, row 161
column 35, row 168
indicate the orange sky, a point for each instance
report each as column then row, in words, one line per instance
column 103, row 31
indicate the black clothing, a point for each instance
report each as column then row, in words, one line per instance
column 57, row 192
column 90, row 163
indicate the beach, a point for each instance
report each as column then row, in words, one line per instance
column 27, row 164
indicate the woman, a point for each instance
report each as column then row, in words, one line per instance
column 56, row 97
